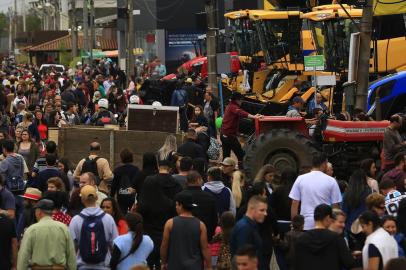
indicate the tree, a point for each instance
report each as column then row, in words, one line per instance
column 3, row 24
column 33, row 22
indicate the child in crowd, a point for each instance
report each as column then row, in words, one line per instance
column 222, row 236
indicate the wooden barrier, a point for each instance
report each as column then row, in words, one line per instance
column 73, row 142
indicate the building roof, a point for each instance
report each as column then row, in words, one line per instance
column 66, row 44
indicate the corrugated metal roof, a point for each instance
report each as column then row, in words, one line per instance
column 65, row 43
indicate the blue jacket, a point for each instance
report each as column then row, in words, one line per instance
column 246, row 232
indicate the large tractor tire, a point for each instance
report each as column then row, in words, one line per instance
column 281, row 148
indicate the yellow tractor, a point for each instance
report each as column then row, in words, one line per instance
column 271, row 45
column 332, row 27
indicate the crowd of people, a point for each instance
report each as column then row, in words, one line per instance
column 180, row 210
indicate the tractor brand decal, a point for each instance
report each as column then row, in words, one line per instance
column 356, row 130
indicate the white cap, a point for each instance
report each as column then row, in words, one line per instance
column 134, row 99
column 156, row 103
column 79, row 63
column 103, row 103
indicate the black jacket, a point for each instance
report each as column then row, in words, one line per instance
column 131, row 171
column 191, row 149
column 169, row 185
column 206, row 208
column 321, row 249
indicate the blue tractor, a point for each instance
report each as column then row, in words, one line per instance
column 391, row 90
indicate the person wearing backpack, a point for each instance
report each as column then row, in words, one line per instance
column 98, row 166
column 93, row 232
column 103, row 116
column 12, row 169
column 124, row 183
column 223, row 195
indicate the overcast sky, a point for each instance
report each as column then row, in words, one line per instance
column 4, row 4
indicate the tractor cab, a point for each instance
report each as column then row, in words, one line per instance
column 332, row 27
column 244, row 38
column 390, row 92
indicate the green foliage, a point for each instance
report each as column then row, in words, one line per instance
column 65, row 56
column 3, row 24
column 33, row 22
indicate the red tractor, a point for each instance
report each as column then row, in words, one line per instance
column 285, row 142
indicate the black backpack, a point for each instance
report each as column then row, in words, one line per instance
column 93, row 244
column 14, row 181
column 90, row 165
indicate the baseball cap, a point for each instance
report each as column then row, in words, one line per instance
column 186, row 200
column 189, row 80
column 229, row 162
column 87, row 191
column 32, row 194
column 45, row 204
column 104, row 103
column 298, row 99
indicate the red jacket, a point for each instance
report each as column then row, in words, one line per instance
column 231, row 119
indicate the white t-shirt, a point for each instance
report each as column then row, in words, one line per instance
column 312, row 189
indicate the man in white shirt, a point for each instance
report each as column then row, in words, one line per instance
column 312, row 189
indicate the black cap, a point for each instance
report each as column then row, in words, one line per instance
column 186, row 200
column 45, row 204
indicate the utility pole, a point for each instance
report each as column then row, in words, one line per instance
column 24, row 18
column 130, row 36
column 85, row 30
column 73, row 27
column 122, row 14
column 211, row 38
column 364, row 56
column 92, row 30
column 15, row 21
column 10, row 30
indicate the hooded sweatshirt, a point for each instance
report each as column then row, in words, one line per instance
column 110, row 230
column 218, row 189
column 321, row 249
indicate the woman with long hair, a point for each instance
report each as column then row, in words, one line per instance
column 42, row 125
column 149, row 167
column 110, row 206
column 239, row 188
column 28, row 149
column 132, row 248
column 198, row 118
column 266, row 174
column 369, row 167
column 166, row 152
column 354, row 198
